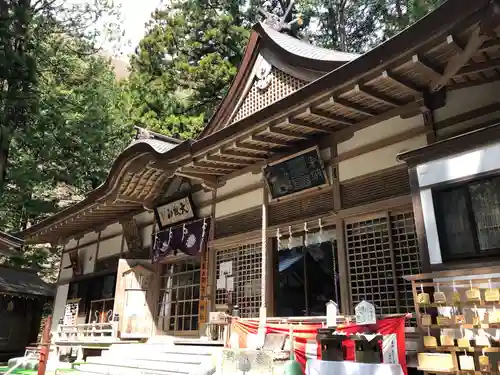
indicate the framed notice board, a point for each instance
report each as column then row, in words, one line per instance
column 299, row 172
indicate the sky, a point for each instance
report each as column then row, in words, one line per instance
column 135, row 14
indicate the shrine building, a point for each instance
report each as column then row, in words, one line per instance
column 293, row 194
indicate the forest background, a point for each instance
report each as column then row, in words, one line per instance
column 66, row 112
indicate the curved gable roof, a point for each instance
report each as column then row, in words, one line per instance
column 291, row 55
column 139, row 155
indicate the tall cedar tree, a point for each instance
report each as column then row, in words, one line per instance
column 185, row 63
column 68, row 109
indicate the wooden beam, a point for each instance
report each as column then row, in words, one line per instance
column 354, row 107
column 220, row 159
column 286, row 133
column 459, row 60
column 271, row 141
column 259, row 149
column 310, row 125
column 454, row 44
column 240, row 154
column 425, row 65
column 402, row 82
column 381, row 98
column 489, row 44
column 479, row 67
column 201, row 164
column 197, row 172
column 210, row 182
column 329, row 116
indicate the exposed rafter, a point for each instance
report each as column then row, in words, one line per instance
column 402, row 82
column 459, row 60
column 353, row 107
column 246, row 146
column 454, row 44
column 329, row 116
column 426, row 66
column 221, row 159
column 240, row 154
column 206, row 165
column 273, row 141
column 479, row 67
column 489, row 44
column 286, row 133
column 191, row 170
column 310, row 125
column 384, row 99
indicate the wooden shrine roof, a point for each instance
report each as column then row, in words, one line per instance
column 23, row 281
column 9, row 242
column 455, row 46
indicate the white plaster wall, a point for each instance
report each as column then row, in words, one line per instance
column 201, row 197
column 71, row 244
column 384, row 129
column 377, row 160
column 238, row 183
column 89, row 237
column 87, row 256
column 146, row 233
column 110, row 247
column 66, row 273
column 449, row 169
column 145, row 217
column 114, row 228
column 467, row 99
column 59, row 306
column 239, row 203
column 204, row 211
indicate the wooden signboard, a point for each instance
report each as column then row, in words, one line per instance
column 174, row 212
column 297, row 173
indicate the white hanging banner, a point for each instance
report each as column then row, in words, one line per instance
column 390, row 349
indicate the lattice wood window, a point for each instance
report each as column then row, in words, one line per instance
column 246, row 265
column 404, row 239
column 179, row 296
column 380, row 251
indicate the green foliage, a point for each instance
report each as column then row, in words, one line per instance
column 64, row 117
column 185, row 63
column 74, row 128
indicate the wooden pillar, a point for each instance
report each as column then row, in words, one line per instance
column 264, row 271
column 418, row 215
column 345, row 291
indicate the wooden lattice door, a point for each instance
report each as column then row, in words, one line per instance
column 381, row 249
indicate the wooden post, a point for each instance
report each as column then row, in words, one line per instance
column 264, row 273
column 44, row 350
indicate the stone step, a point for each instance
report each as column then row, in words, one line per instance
column 172, row 349
column 158, row 356
column 181, row 366
column 99, row 369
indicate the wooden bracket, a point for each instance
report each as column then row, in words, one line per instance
column 458, row 61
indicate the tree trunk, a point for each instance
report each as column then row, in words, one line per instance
column 5, row 139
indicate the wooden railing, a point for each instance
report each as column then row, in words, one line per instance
column 91, row 332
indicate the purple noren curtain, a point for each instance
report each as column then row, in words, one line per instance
column 190, row 238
